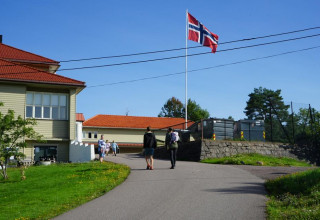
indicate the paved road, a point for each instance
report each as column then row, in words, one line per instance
column 191, row 191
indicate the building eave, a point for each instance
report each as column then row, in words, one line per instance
column 42, row 82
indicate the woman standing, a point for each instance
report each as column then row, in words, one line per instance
column 173, row 138
column 107, row 147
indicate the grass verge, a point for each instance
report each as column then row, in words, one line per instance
column 52, row 190
column 256, row 159
column 295, row 196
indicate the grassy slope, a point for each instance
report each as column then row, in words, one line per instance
column 295, row 196
column 252, row 159
column 51, row 190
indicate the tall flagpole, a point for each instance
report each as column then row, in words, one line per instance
column 186, row 100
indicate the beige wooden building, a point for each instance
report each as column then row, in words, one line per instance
column 127, row 131
column 30, row 87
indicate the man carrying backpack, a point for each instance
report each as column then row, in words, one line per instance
column 173, row 139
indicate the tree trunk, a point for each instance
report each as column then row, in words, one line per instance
column 4, row 168
column 4, row 171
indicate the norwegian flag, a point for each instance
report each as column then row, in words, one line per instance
column 199, row 33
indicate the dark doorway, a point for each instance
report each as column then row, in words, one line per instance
column 45, row 153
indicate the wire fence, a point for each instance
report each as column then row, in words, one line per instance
column 299, row 126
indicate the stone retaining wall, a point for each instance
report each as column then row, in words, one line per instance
column 199, row 150
column 218, row 149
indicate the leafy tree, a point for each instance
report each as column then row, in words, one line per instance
column 13, row 132
column 174, row 108
column 262, row 101
column 195, row 112
column 265, row 104
column 231, row 118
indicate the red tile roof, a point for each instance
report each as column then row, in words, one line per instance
column 14, row 54
column 14, row 72
column 135, row 122
column 80, row 117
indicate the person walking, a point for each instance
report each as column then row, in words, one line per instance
column 107, row 147
column 149, row 144
column 114, row 147
column 101, row 148
column 172, row 138
column 168, row 138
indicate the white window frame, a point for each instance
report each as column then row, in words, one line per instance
column 42, row 105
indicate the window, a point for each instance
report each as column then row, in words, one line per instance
column 45, row 153
column 91, row 134
column 47, row 106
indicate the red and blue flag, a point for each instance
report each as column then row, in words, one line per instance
column 199, row 33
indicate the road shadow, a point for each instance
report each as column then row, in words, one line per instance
column 251, row 188
column 280, row 173
column 144, row 169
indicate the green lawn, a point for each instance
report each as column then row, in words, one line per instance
column 252, row 159
column 51, row 190
column 295, row 196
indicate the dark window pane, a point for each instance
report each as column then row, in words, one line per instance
column 63, row 114
column 46, row 112
column 55, row 113
column 29, row 111
column 37, row 112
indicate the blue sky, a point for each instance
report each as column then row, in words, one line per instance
column 64, row 30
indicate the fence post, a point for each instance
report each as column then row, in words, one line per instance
column 225, row 129
column 312, row 125
column 284, row 130
column 271, row 122
column 292, row 121
column 201, row 129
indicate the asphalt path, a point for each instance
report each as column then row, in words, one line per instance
column 190, row 191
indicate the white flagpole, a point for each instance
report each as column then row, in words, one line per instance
column 186, row 100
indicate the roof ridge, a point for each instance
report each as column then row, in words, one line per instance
column 138, row 116
column 134, row 122
column 92, row 118
column 53, row 61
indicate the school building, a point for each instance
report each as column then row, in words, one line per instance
column 127, row 131
column 30, row 86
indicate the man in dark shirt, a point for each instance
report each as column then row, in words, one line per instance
column 149, row 143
